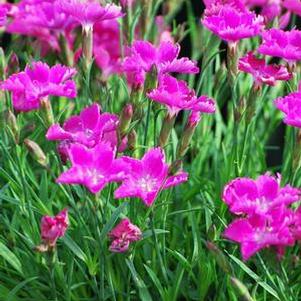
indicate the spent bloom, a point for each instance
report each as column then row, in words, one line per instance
column 232, row 24
column 39, row 81
column 143, row 56
column 283, row 44
column 93, row 168
column 177, row 96
column 89, row 128
column 263, row 73
column 290, row 105
column 122, row 235
column 260, row 196
column 53, row 228
column 146, row 177
column 88, row 12
column 257, row 232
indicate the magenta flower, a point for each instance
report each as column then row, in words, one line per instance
column 143, row 56
column 293, row 5
column 54, row 227
column 122, row 235
column 290, row 105
column 232, row 24
column 283, row 44
column 146, row 177
column 106, row 47
column 88, row 12
column 93, row 168
column 261, row 72
column 258, row 232
column 37, row 82
column 3, row 13
column 177, row 96
column 260, row 196
column 89, row 128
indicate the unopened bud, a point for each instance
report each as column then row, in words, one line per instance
column 11, row 121
column 241, row 289
column 132, row 140
column 175, row 167
column 125, row 120
column 167, row 126
column 212, row 232
column 47, row 111
column 87, row 40
column 219, row 256
column 151, row 79
column 2, row 64
column 192, row 122
column 232, row 60
column 13, row 65
column 36, row 152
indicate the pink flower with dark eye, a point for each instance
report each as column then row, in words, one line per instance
column 261, row 72
column 93, row 168
column 232, row 24
column 283, row 44
column 55, row 227
column 122, row 235
column 143, row 56
column 260, row 196
column 146, row 177
column 88, row 12
column 293, row 5
column 290, row 105
column 89, row 128
column 258, row 232
column 37, row 82
column 177, row 96
column 106, row 47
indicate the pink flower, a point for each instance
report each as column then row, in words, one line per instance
column 261, row 72
column 293, row 5
column 93, row 168
column 106, row 47
column 290, row 105
column 89, row 128
column 284, row 44
column 232, row 24
column 260, row 196
column 39, row 81
column 143, row 56
column 146, row 177
column 54, row 227
column 3, row 13
column 122, row 235
column 258, row 232
column 88, row 12
column 177, row 96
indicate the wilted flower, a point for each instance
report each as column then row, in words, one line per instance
column 260, row 196
column 39, row 81
column 177, row 96
column 283, row 44
column 290, row 105
column 261, row 72
column 143, row 56
column 257, row 232
column 146, row 177
column 232, row 24
column 88, row 129
column 93, row 168
column 122, row 235
column 53, row 228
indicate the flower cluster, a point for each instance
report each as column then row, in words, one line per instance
column 266, row 217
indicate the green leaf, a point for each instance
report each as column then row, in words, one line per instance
column 11, row 258
column 71, row 244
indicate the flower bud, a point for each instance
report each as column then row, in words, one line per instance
column 11, row 121
column 167, row 126
column 36, row 152
column 219, row 256
column 132, row 140
column 3, row 64
column 47, row 111
column 125, row 120
column 13, row 65
column 87, row 36
column 241, row 289
column 192, row 122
